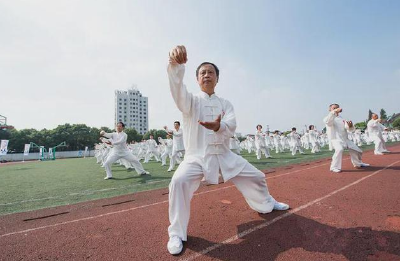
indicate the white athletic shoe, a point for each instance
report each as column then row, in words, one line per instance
column 108, row 178
column 145, row 173
column 336, row 170
column 169, row 170
column 175, row 245
column 364, row 165
column 280, row 206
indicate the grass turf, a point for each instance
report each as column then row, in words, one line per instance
column 35, row 185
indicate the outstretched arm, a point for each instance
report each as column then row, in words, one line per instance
column 176, row 71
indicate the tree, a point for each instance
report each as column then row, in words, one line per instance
column 369, row 115
column 156, row 134
column 133, row 135
column 361, row 125
column 396, row 123
column 383, row 115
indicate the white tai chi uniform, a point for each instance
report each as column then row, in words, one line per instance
column 295, row 143
column 260, row 145
column 177, row 147
column 152, row 150
column 313, row 137
column 207, row 154
column 375, row 129
column 120, row 151
column 337, row 128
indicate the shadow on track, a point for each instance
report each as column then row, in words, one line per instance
column 297, row 232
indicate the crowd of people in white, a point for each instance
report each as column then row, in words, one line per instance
column 261, row 143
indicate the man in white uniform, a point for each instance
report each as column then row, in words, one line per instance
column 209, row 121
column 120, row 151
column 337, row 128
column 177, row 144
column 375, row 129
column 313, row 137
column 295, row 142
column 260, row 143
column 152, row 149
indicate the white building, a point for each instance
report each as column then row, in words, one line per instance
column 132, row 109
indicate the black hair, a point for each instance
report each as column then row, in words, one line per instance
column 205, row 63
column 334, row 104
column 177, row 122
column 309, row 127
column 258, row 125
column 120, row 122
column 294, row 128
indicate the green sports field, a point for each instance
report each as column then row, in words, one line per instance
column 35, row 185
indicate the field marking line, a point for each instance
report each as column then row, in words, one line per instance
column 139, row 207
column 287, row 214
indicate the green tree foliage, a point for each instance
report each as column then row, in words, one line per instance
column 76, row 136
column 361, row 125
column 156, row 134
column 383, row 115
column 369, row 115
column 396, row 123
column 133, row 135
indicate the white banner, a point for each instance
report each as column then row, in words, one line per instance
column 26, row 149
column 3, row 147
column 41, row 151
column 50, row 152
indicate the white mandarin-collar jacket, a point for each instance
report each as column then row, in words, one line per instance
column 375, row 128
column 203, row 146
column 118, row 140
column 337, row 130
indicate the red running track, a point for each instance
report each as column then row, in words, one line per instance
column 353, row 215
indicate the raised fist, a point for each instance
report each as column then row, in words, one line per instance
column 178, row 55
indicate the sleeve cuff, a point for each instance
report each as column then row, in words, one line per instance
column 222, row 127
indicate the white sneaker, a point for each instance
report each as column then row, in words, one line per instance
column 364, row 165
column 169, row 170
column 175, row 245
column 108, row 178
column 280, row 206
column 145, row 173
column 336, row 170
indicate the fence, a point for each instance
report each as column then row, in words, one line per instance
column 35, row 156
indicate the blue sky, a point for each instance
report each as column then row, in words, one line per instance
column 281, row 62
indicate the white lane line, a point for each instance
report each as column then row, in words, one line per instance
column 287, row 214
column 139, row 207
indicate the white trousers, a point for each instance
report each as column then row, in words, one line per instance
column 114, row 156
column 338, row 155
column 175, row 158
column 380, row 146
column 264, row 150
column 295, row 148
column 166, row 153
column 186, row 180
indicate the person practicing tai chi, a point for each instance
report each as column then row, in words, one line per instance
column 119, row 151
column 260, row 143
column 177, row 144
column 208, row 123
column 337, row 128
column 375, row 129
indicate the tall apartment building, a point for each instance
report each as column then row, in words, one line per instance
column 132, row 109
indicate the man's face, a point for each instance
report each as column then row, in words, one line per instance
column 374, row 116
column 119, row 127
column 176, row 125
column 333, row 107
column 207, row 78
column 259, row 128
column 151, row 137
